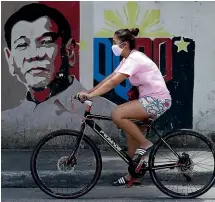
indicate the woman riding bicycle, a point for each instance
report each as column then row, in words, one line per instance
column 153, row 100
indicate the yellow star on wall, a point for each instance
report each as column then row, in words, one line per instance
column 182, row 45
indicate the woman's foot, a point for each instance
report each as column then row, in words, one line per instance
column 124, row 181
column 139, row 158
column 147, row 145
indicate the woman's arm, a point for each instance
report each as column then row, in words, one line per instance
column 109, row 84
column 101, row 83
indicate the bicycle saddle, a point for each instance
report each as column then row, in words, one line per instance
column 145, row 122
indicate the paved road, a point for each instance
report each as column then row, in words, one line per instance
column 101, row 193
column 18, row 174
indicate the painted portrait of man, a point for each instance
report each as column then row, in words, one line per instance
column 40, row 50
column 41, row 53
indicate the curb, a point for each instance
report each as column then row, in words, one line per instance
column 23, row 179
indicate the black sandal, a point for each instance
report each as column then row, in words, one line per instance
column 138, row 159
column 122, row 182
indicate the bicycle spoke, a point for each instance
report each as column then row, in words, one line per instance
column 203, row 160
column 196, row 154
column 203, row 167
column 168, row 158
column 59, row 178
column 176, row 181
column 50, row 162
column 202, row 164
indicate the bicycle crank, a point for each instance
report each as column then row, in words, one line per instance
column 135, row 172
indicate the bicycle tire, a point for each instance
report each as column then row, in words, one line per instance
column 40, row 183
column 156, row 181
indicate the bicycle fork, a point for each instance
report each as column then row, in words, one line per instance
column 77, row 146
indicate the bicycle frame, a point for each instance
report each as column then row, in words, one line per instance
column 91, row 123
column 106, row 137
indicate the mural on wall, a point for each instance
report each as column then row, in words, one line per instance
column 41, row 51
column 43, row 54
column 174, row 56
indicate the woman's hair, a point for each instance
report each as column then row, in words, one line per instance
column 128, row 35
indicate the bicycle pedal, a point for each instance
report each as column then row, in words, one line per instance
column 132, row 180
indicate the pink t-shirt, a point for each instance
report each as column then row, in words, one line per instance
column 144, row 74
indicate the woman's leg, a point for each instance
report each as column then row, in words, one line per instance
column 132, row 147
column 132, row 142
column 131, row 110
column 120, row 116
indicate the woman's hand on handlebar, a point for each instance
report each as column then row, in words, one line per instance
column 83, row 96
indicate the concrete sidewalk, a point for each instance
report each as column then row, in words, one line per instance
column 16, row 168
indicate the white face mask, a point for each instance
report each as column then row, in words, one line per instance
column 117, row 50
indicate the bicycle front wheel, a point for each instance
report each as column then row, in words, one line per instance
column 193, row 174
column 54, row 176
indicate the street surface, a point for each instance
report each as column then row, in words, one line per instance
column 101, row 193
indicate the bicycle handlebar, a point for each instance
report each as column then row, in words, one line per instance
column 88, row 102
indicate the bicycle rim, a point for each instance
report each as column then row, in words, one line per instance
column 182, row 172
column 49, row 190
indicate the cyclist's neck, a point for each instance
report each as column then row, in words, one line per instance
column 128, row 53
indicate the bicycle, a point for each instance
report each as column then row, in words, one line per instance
column 67, row 164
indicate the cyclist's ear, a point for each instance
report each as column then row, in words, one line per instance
column 70, row 51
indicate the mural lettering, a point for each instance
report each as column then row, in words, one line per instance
column 108, row 61
column 174, row 56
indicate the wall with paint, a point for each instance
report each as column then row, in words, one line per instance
column 39, row 70
column 177, row 36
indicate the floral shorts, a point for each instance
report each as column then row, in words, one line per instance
column 155, row 106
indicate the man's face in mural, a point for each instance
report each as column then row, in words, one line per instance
column 35, row 55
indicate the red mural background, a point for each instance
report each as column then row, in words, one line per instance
column 71, row 11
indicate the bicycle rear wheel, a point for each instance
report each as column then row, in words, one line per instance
column 190, row 178
column 51, row 173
